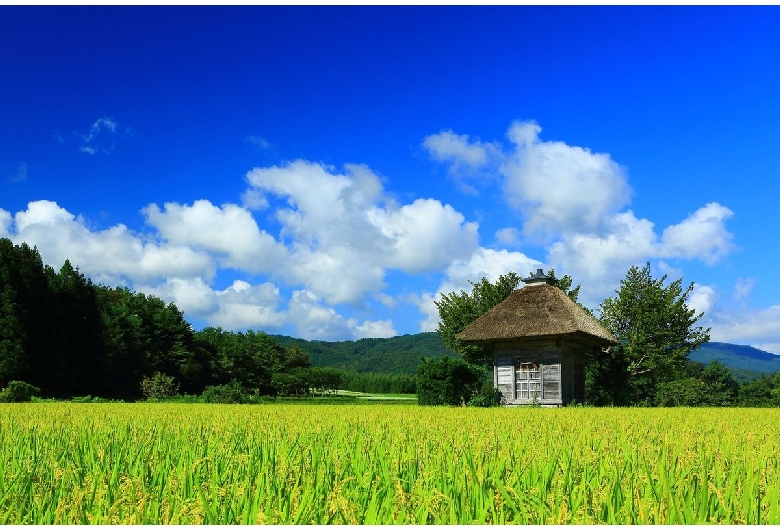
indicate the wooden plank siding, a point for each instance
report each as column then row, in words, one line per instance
column 527, row 374
column 560, row 365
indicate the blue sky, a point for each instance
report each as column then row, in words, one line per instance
column 325, row 172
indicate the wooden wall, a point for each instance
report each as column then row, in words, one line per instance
column 560, row 367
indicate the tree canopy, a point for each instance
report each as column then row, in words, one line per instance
column 656, row 329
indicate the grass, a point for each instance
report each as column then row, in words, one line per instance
column 66, row 463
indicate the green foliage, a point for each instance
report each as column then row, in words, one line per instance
column 757, row 393
column 722, row 389
column 488, row 396
column 289, row 384
column 447, row 381
column 655, row 327
column 18, row 392
column 378, row 383
column 686, row 392
column 159, row 386
column 458, row 310
column 231, row 392
column 395, row 355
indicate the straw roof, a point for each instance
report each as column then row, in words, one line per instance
column 536, row 311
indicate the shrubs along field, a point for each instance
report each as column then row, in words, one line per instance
column 66, row 463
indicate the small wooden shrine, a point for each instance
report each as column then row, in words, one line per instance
column 539, row 337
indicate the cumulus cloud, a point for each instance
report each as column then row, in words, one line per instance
column 702, row 235
column 423, row 235
column 459, row 149
column 483, row 263
column 509, row 236
column 229, row 231
column 702, row 298
column 254, row 200
column 558, row 187
column 245, row 306
column 343, row 232
column 5, row 223
column 315, row 321
column 193, row 296
column 115, row 254
column 466, row 157
column 599, row 261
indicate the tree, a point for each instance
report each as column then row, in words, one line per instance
column 686, row 392
column 159, row 386
column 458, row 310
column 18, row 392
column 757, row 393
column 447, row 381
column 721, row 388
column 655, row 327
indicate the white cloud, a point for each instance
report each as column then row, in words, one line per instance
column 467, row 158
column 343, row 233
column 113, row 254
column 759, row 328
column 5, row 223
column 702, row 235
column 100, row 138
column 458, row 149
column 599, row 261
column 426, row 306
column 238, row 307
column 191, row 295
column 230, row 231
column 483, row 263
column 245, row 306
column 558, row 187
column 743, row 287
column 253, row 200
column 702, row 298
column 314, row 321
column 508, row 236
column 771, row 347
column 258, row 141
column 669, row 271
column 423, row 235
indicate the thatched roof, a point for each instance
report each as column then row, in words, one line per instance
column 536, row 311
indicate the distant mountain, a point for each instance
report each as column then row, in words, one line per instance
column 401, row 355
column 745, row 362
column 396, row 355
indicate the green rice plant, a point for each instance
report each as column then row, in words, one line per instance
column 112, row 463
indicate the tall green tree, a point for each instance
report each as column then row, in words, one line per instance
column 458, row 310
column 656, row 329
column 26, row 321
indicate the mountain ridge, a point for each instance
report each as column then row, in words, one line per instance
column 402, row 354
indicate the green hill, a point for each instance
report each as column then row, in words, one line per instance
column 745, row 362
column 401, row 355
column 396, row 355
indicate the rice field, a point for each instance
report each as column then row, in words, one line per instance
column 296, row 464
